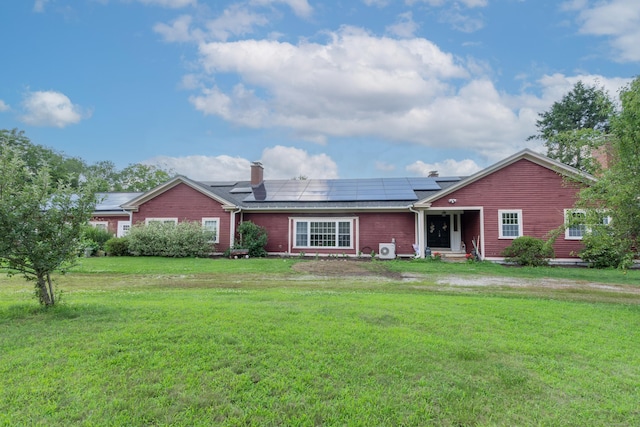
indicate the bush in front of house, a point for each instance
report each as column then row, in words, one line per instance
column 185, row 239
column 252, row 237
column 117, row 246
column 93, row 239
column 528, row 251
column 603, row 250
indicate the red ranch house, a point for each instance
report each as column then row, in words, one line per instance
column 525, row 194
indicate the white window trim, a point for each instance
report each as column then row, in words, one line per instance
column 97, row 223
column 217, row 230
column 352, row 231
column 121, row 232
column 606, row 221
column 568, row 212
column 163, row 220
column 520, row 221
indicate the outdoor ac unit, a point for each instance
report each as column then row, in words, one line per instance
column 387, row 251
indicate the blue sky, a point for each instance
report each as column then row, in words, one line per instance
column 325, row 89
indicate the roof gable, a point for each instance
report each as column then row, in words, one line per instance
column 179, row 179
column 525, row 154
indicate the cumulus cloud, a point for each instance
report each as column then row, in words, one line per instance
column 290, row 162
column 356, row 84
column 404, row 27
column 301, row 8
column 4, row 106
column 206, row 168
column 279, row 162
column 447, row 167
column 617, row 19
column 177, row 31
column 50, row 108
column 171, row 4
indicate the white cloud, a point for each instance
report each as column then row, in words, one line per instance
column 467, row 3
column 4, row 106
column 38, row 6
column 172, row 4
column 235, row 21
column 461, row 21
column 279, row 163
column 384, row 166
column 404, row 27
column 300, row 7
column 178, row 31
column 290, row 162
column 206, row 168
column 617, row 19
column 50, row 108
column 448, row 167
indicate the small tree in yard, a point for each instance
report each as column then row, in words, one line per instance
column 252, row 237
column 40, row 222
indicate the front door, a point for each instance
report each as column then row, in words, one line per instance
column 438, row 231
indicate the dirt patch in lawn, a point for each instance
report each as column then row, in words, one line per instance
column 371, row 270
column 344, row 268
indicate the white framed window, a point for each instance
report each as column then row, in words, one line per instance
column 212, row 224
column 510, row 223
column 577, row 227
column 102, row 225
column 324, row 233
column 148, row 221
column 123, row 228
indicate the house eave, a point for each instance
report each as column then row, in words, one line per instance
column 525, row 154
column 175, row 181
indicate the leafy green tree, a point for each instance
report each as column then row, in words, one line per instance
column 617, row 192
column 135, row 177
column 40, row 221
column 36, row 156
column 576, row 125
column 139, row 177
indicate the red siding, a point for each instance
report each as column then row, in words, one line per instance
column 112, row 227
column 186, row 204
column 541, row 193
column 375, row 228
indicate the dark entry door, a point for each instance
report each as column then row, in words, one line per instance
column 438, row 232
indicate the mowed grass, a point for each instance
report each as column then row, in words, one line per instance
column 252, row 342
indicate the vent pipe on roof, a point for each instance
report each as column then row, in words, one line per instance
column 433, row 174
column 257, row 173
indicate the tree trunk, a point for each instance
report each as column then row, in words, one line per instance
column 43, row 292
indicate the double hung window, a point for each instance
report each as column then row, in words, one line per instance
column 510, row 223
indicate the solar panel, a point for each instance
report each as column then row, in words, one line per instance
column 372, row 189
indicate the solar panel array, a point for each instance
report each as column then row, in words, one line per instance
column 374, row 189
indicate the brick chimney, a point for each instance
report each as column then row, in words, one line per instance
column 603, row 155
column 257, row 173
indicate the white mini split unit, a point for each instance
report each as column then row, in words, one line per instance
column 387, row 251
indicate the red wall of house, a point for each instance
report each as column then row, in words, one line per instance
column 375, row 228
column 186, row 204
column 541, row 193
column 112, row 227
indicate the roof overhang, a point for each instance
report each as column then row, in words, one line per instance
column 526, row 154
column 134, row 204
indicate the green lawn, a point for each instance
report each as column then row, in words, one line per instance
column 252, row 342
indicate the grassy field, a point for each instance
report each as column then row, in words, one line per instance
column 256, row 342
